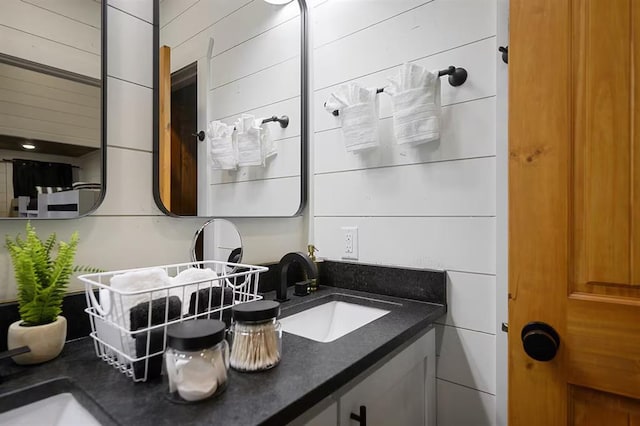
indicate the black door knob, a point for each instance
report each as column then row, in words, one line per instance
column 200, row 135
column 540, row 341
column 505, row 54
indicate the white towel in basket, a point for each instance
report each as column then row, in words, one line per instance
column 191, row 275
column 121, row 304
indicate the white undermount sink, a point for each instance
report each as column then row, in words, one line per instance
column 58, row 410
column 55, row 402
column 331, row 320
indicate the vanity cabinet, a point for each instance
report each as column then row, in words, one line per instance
column 398, row 391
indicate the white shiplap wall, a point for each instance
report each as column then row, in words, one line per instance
column 35, row 105
column 255, row 69
column 431, row 206
column 128, row 230
column 60, row 34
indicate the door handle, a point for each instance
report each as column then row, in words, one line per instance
column 540, row 341
column 361, row 417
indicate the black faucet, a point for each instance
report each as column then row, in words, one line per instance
column 14, row 352
column 289, row 258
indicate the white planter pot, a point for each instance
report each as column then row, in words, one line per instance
column 45, row 341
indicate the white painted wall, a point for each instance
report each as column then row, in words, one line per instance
column 502, row 215
column 431, row 206
column 128, row 230
column 254, row 69
column 60, row 34
column 35, row 105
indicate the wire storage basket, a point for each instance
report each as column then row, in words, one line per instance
column 130, row 310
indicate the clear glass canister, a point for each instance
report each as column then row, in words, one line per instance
column 256, row 336
column 196, row 360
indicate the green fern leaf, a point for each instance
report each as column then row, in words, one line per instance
column 42, row 281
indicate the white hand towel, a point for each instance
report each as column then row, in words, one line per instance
column 197, row 279
column 249, row 143
column 415, row 96
column 358, row 108
column 146, row 279
column 269, row 146
column 223, row 150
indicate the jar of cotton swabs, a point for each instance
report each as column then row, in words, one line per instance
column 256, row 336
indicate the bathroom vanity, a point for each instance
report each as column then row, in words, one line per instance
column 387, row 366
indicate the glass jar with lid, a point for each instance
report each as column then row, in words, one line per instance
column 196, row 360
column 256, row 336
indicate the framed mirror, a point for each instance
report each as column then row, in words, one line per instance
column 52, row 108
column 231, row 107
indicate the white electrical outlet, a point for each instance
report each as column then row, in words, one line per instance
column 350, row 250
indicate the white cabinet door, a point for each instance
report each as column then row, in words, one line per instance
column 328, row 417
column 401, row 392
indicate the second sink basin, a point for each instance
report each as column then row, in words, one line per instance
column 331, row 320
column 54, row 402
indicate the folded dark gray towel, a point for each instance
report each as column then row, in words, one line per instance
column 218, row 295
column 139, row 319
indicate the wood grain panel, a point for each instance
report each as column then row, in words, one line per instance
column 590, row 407
column 539, row 182
column 164, row 142
column 602, row 334
column 635, row 147
column 586, row 414
column 602, row 143
column 571, row 195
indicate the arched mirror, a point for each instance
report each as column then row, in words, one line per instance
column 231, row 108
column 52, row 108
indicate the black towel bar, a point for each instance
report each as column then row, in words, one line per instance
column 457, row 77
column 284, row 123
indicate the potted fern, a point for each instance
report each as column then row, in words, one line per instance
column 42, row 282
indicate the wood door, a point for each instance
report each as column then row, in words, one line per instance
column 164, row 122
column 184, row 146
column 574, row 209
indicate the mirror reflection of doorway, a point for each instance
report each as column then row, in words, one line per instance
column 184, row 145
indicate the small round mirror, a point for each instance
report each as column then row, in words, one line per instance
column 219, row 240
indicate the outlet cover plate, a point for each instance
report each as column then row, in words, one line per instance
column 350, row 242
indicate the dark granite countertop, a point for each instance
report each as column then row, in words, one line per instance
column 309, row 371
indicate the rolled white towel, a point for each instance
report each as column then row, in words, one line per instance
column 358, row 112
column 415, row 97
column 196, row 279
column 121, row 304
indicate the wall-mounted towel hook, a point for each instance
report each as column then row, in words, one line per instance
column 505, row 53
